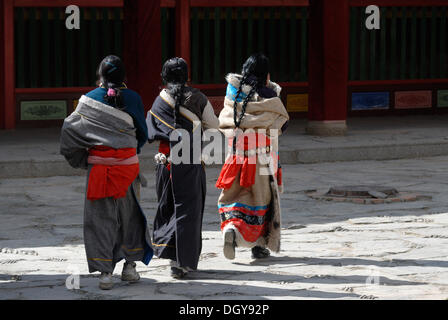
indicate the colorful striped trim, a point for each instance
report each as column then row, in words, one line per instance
column 244, row 210
column 248, row 219
column 237, row 204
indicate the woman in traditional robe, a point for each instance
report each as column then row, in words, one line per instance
column 252, row 119
column 104, row 135
column 179, row 114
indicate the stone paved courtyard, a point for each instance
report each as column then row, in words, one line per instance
column 330, row 250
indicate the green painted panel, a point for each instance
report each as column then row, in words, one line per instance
column 261, row 31
column 250, row 30
column 217, row 45
column 273, row 46
column 304, row 45
column 69, row 54
column 283, row 46
column 228, row 35
column 164, row 32
column 353, row 43
column 105, row 25
column 206, row 69
column 45, row 49
column 433, row 33
column 118, row 32
column 393, row 43
column 94, row 41
column 403, row 56
column 442, row 98
column 293, row 45
column 195, row 44
column 443, row 53
column 33, row 58
column 372, row 57
column 20, row 45
column 413, row 53
column 58, row 27
column 363, row 46
column 43, row 110
column 423, row 44
column 239, row 39
column 383, row 44
column 82, row 49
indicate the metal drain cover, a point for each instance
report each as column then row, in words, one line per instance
column 377, row 192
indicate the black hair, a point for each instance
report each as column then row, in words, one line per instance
column 175, row 76
column 255, row 73
column 111, row 74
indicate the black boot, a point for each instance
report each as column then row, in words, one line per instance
column 260, row 253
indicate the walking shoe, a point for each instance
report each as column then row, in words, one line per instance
column 129, row 273
column 178, row 273
column 229, row 244
column 106, row 281
column 260, row 253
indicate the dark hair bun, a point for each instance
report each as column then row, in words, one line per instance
column 111, row 74
column 175, row 70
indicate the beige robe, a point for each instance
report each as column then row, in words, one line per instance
column 260, row 114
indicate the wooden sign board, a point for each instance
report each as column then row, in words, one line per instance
column 442, row 98
column 370, row 101
column 297, row 102
column 413, row 99
column 43, row 110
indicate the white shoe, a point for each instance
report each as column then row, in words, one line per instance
column 129, row 273
column 106, row 281
column 229, row 244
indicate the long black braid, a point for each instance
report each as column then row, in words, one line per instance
column 237, row 120
column 175, row 75
column 255, row 72
column 177, row 91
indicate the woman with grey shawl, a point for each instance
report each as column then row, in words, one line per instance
column 104, row 135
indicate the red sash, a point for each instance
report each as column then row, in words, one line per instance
column 110, row 178
column 243, row 160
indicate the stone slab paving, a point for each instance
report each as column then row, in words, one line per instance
column 330, row 250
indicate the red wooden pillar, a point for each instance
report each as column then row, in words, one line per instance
column 328, row 67
column 183, row 29
column 7, row 70
column 142, row 48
